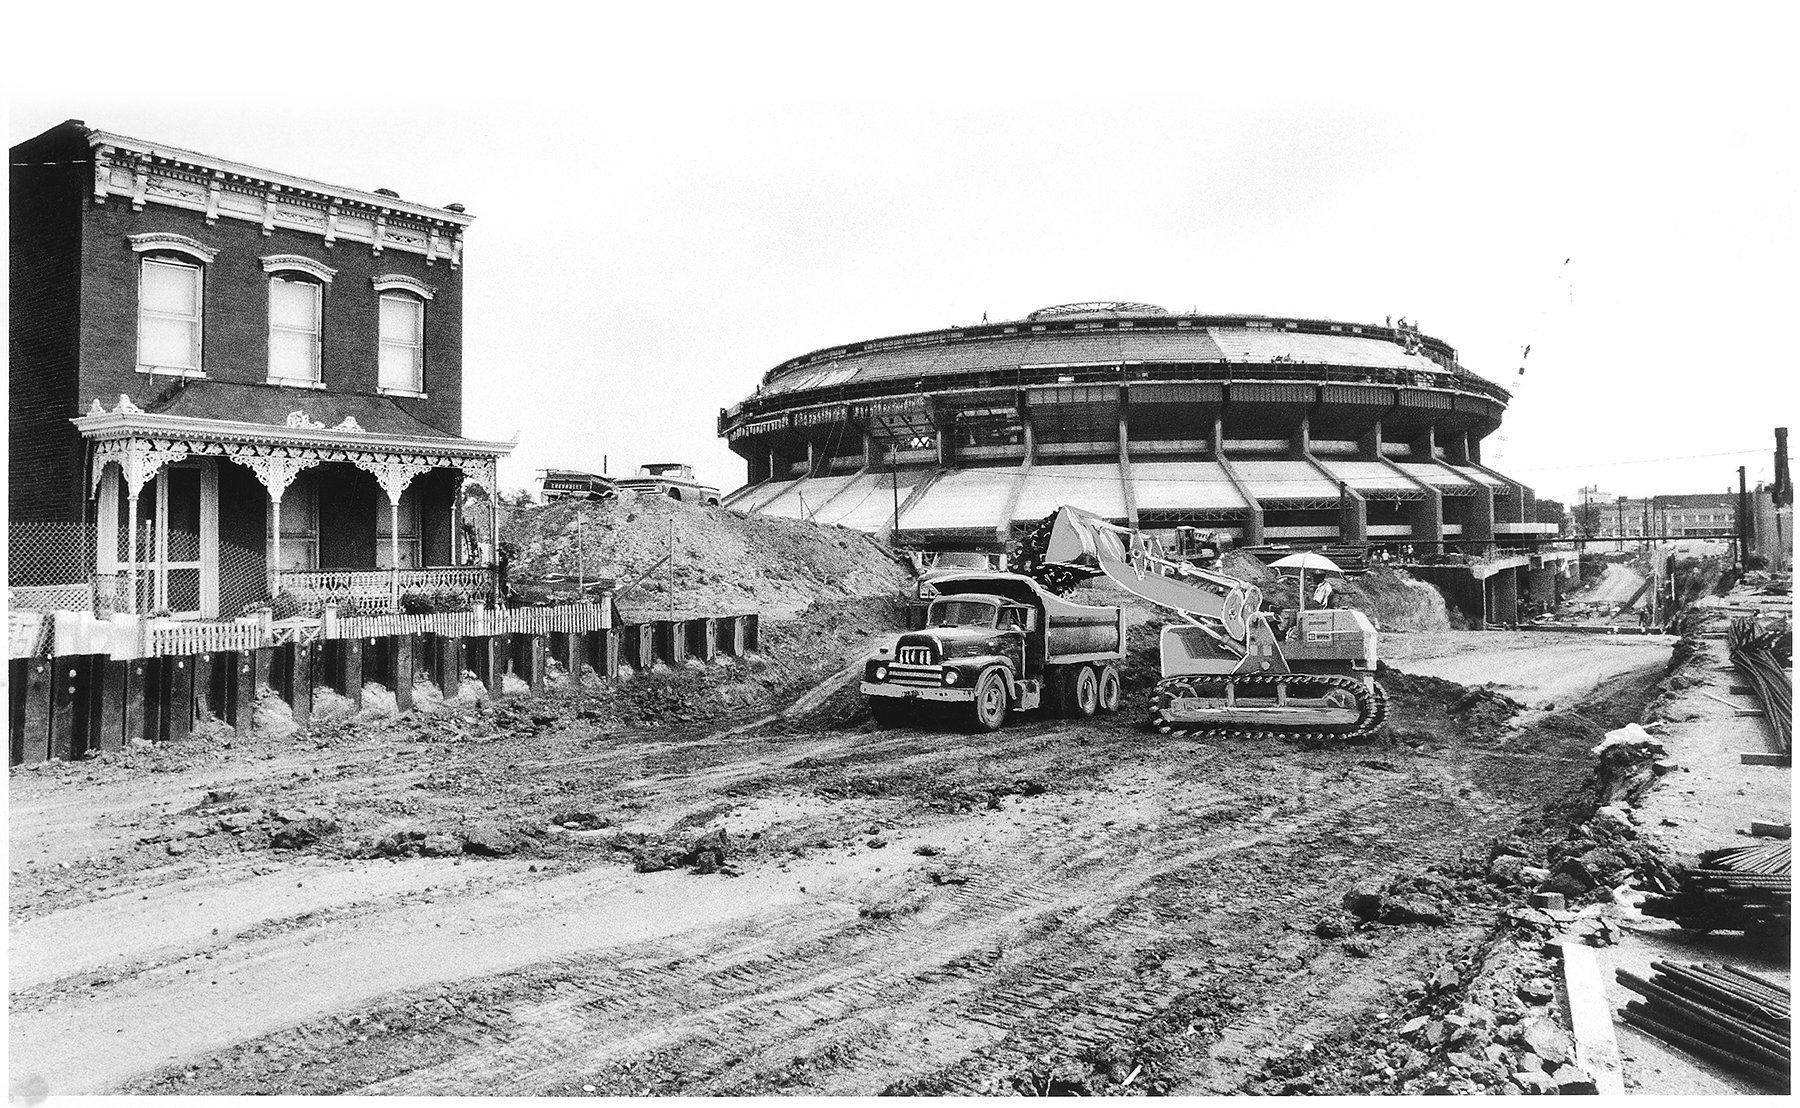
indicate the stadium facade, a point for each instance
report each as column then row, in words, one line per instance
column 1263, row 430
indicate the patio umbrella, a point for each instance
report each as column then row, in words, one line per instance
column 1305, row 560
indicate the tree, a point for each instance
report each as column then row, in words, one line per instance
column 1587, row 518
column 1550, row 511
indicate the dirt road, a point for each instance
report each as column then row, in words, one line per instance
column 1056, row 906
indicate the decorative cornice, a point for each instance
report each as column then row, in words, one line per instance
column 123, row 425
column 275, row 263
column 119, row 148
column 180, row 244
column 145, row 173
column 400, row 281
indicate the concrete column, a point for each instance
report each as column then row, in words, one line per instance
column 1353, row 514
column 1503, row 603
column 1368, row 447
column 1478, row 525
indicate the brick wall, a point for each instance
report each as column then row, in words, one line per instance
column 235, row 319
column 45, row 479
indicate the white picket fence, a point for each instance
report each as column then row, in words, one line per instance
column 126, row 636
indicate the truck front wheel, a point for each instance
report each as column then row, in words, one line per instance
column 888, row 711
column 987, row 712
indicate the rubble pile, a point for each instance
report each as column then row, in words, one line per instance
column 724, row 562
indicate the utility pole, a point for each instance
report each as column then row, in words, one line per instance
column 1743, row 518
column 894, row 479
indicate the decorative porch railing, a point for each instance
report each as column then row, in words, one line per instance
column 79, row 633
column 313, row 589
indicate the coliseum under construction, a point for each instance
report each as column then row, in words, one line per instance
column 1265, row 430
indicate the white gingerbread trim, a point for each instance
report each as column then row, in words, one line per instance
column 400, row 282
column 179, row 244
column 297, row 263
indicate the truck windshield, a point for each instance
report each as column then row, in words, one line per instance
column 963, row 613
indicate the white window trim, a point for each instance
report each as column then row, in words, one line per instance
column 275, row 263
column 179, row 244
column 318, row 334
column 400, row 282
column 406, row 292
column 198, row 370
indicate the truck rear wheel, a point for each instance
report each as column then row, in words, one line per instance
column 1084, row 692
column 1112, row 689
column 987, row 712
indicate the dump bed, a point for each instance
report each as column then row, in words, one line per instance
column 1072, row 632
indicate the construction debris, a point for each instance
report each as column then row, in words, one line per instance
column 1727, row 1015
column 1734, row 889
column 1758, row 654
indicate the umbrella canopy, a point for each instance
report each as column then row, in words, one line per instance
column 1307, row 560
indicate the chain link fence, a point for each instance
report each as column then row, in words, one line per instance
column 50, row 568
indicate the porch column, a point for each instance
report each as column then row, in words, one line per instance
column 140, row 462
column 276, row 474
column 394, row 475
column 131, row 518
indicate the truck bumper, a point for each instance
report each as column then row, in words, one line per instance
column 906, row 692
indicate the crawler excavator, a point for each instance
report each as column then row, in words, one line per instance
column 1226, row 670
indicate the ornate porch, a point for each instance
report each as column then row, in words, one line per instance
column 188, row 510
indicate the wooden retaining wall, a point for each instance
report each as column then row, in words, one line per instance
column 65, row 707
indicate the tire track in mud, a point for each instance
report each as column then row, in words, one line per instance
column 977, row 959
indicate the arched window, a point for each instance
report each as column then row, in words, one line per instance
column 296, row 318
column 171, row 299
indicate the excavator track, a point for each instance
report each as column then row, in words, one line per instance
column 1370, row 699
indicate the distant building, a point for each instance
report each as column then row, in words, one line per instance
column 1696, row 515
column 230, row 381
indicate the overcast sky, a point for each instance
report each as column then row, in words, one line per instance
column 669, row 205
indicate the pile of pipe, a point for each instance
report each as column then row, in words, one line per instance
column 1744, row 888
column 1758, row 654
column 1723, row 1014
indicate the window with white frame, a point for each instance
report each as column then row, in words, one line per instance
column 402, row 368
column 409, row 531
column 170, row 295
column 296, row 309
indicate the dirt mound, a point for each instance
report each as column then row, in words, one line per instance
column 725, row 562
column 1393, row 599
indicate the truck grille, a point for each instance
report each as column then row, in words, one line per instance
column 902, row 674
column 915, row 655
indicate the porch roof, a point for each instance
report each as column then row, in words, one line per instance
column 277, row 433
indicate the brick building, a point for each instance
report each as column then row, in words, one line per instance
column 240, row 382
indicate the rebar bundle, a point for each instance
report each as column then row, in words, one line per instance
column 1746, row 888
column 1756, row 653
column 1734, row 1018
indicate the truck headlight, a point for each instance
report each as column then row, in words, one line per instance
column 949, row 677
column 881, row 673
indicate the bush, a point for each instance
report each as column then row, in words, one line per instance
column 419, row 602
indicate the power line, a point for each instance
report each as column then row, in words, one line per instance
column 1636, row 461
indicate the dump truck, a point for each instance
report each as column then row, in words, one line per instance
column 995, row 643
column 1228, row 668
